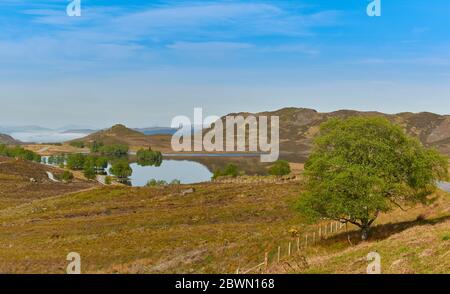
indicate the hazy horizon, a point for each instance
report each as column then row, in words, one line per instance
column 73, row 126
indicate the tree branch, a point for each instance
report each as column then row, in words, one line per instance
column 345, row 220
column 396, row 204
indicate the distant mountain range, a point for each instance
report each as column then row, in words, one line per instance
column 78, row 131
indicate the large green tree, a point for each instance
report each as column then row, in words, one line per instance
column 361, row 167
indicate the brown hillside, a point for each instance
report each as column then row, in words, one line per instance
column 119, row 134
column 6, row 139
column 298, row 126
column 16, row 186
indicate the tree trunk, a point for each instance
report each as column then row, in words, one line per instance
column 364, row 233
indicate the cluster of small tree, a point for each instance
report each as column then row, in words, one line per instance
column 149, row 157
column 75, row 161
column 95, row 146
column 280, row 168
column 121, row 169
column 66, row 176
column 154, row 183
column 230, row 170
column 19, row 152
column 114, row 150
column 94, row 165
column 58, row 160
column 89, row 164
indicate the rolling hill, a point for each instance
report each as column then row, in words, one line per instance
column 298, row 126
column 8, row 140
column 16, row 188
column 120, row 134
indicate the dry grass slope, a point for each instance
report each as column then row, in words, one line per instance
column 16, row 187
column 148, row 230
column 216, row 229
column 412, row 241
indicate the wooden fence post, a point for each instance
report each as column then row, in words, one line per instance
column 298, row 244
column 306, row 241
column 266, row 261
column 289, row 249
column 279, row 253
column 320, row 232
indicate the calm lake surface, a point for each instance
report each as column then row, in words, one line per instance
column 188, row 172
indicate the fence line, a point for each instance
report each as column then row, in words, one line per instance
column 321, row 236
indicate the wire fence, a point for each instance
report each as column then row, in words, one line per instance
column 303, row 242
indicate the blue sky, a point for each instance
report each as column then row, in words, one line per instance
column 143, row 62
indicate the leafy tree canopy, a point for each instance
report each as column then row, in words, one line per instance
column 121, row 169
column 360, row 167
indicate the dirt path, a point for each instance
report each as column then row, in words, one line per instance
column 101, row 179
column 43, row 149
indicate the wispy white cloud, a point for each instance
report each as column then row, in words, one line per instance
column 114, row 36
column 58, row 17
column 293, row 48
column 425, row 60
column 209, row 46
